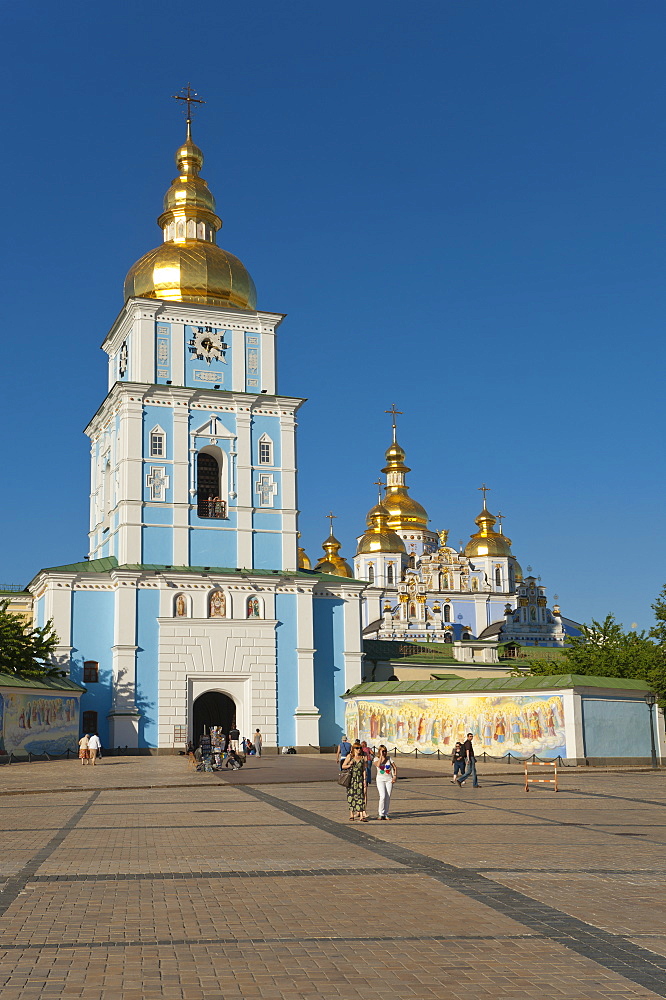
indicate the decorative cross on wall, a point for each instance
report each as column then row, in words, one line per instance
column 158, row 482
column 266, row 488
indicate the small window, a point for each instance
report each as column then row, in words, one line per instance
column 89, row 722
column 90, row 672
column 390, row 574
column 156, row 445
column 265, row 451
column 371, row 573
column 447, row 612
column 498, row 577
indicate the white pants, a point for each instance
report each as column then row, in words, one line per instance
column 384, row 787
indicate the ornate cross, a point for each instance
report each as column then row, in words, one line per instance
column 266, row 488
column 500, row 518
column 157, row 482
column 379, row 484
column 394, row 413
column 331, row 516
column 484, row 489
column 190, row 97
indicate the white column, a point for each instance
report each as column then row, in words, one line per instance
column 178, row 353
column 245, row 500
column 124, row 716
column 288, row 499
column 306, row 716
column 181, row 486
column 130, row 476
column 353, row 651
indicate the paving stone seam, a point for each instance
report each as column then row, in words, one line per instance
column 286, row 939
column 17, row 883
column 226, row 873
column 611, row 951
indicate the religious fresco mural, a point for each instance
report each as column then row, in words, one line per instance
column 521, row 724
column 39, row 723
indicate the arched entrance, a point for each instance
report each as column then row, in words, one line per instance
column 212, row 709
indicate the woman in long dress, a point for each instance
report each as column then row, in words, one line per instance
column 357, row 792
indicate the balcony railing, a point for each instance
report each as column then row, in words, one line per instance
column 212, row 508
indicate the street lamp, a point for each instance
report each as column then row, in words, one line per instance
column 651, row 701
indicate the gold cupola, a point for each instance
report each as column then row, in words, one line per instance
column 189, row 266
column 486, row 541
column 331, row 562
column 378, row 536
column 404, row 513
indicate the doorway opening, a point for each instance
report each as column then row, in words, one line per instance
column 212, row 709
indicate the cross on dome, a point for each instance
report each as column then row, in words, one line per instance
column 380, row 486
column 331, row 516
column 484, row 489
column 394, row 413
column 190, row 97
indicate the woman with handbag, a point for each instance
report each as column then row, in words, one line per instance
column 385, row 780
column 357, row 790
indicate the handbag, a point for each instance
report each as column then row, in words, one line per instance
column 344, row 778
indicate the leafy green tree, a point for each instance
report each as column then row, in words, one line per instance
column 604, row 649
column 658, row 631
column 26, row 650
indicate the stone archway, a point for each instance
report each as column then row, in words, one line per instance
column 212, row 709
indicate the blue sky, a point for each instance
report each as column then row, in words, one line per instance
column 459, row 205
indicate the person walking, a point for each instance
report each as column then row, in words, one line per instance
column 234, row 736
column 385, row 780
column 470, row 759
column 357, row 793
column 83, row 748
column 458, row 760
column 344, row 747
column 257, row 742
column 94, row 747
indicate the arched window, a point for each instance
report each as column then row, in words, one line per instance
column 412, row 561
column 217, row 605
column 533, row 614
column 447, row 612
column 371, row 573
column 498, row 577
column 89, row 722
column 412, row 611
column 208, row 487
column 466, row 636
column 180, row 606
column 390, row 576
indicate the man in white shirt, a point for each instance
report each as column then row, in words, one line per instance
column 94, row 744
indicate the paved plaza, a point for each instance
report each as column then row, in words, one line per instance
column 140, row 879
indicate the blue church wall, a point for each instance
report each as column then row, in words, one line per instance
column 271, row 426
column 147, row 657
column 267, row 550
column 92, row 639
column 267, row 520
column 329, row 636
column 209, row 547
column 158, row 416
column 287, row 667
column 618, row 728
column 157, row 546
column 158, row 515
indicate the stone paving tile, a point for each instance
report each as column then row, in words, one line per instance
column 381, row 925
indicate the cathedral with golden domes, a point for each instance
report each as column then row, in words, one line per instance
column 420, row 588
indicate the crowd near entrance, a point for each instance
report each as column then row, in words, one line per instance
column 212, row 709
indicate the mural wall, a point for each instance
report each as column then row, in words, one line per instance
column 521, row 724
column 32, row 723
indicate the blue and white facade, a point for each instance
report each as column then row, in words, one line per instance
column 192, row 584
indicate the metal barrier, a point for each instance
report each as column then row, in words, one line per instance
column 540, row 781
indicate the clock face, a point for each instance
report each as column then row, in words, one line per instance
column 207, row 344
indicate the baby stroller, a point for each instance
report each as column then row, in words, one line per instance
column 233, row 761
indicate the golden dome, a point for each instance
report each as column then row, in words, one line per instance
column 189, row 266
column 303, row 560
column 331, row 562
column 486, row 542
column 379, row 537
column 405, row 514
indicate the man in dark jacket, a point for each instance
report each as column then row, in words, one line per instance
column 470, row 771
column 234, row 736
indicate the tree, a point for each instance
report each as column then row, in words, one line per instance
column 24, row 649
column 658, row 631
column 604, row 649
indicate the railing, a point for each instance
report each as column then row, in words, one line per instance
column 212, row 508
column 70, row 753
column 12, row 588
column 446, row 755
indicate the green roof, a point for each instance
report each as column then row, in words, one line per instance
column 492, row 684
column 110, row 562
column 45, row 683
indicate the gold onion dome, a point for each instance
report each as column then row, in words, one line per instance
column 331, row 562
column 189, row 266
column 405, row 514
column 486, row 541
column 379, row 537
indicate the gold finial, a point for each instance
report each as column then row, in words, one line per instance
column 500, row 518
column 484, row 489
column 331, row 516
column 394, row 413
column 190, row 97
column 380, row 485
